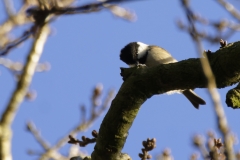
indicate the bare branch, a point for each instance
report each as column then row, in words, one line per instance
column 230, row 8
column 91, row 7
column 85, row 140
column 20, row 92
column 221, row 118
column 31, row 127
column 79, row 128
column 198, row 141
column 18, row 66
column 121, row 12
column 18, row 19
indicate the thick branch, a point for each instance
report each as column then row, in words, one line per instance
column 143, row 82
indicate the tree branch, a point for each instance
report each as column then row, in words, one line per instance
column 143, row 82
column 20, row 92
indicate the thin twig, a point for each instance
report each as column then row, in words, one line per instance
column 230, row 8
column 81, row 127
column 16, row 20
column 31, row 127
column 211, row 84
column 91, row 7
column 198, row 141
column 55, row 155
column 18, row 66
column 20, row 92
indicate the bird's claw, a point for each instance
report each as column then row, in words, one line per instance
column 138, row 65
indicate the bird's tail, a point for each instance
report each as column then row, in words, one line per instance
column 193, row 98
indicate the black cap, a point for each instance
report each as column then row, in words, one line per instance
column 129, row 53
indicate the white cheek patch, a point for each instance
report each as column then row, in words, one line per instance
column 142, row 49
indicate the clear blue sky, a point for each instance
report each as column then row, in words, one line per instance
column 83, row 50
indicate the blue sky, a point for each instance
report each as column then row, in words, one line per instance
column 83, row 50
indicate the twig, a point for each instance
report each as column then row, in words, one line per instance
column 148, row 145
column 18, row 19
column 199, row 143
column 45, row 9
column 225, row 28
column 230, row 8
column 121, row 12
column 18, row 66
column 92, row 7
column 85, row 140
column 211, row 84
column 79, row 128
column 18, row 41
column 31, row 127
column 20, row 92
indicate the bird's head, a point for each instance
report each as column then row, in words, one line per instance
column 133, row 52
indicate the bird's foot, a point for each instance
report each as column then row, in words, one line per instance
column 138, row 65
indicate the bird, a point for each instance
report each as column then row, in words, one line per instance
column 136, row 53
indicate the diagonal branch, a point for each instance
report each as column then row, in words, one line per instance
column 143, row 82
column 20, row 92
column 211, row 81
column 31, row 127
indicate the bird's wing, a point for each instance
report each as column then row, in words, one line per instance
column 157, row 55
